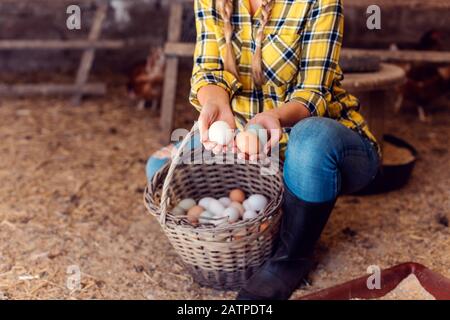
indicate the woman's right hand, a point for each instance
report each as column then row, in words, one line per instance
column 210, row 113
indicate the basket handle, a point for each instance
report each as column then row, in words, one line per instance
column 173, row 164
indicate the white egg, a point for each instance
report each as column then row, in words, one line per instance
column 246, row 205
column 206, row 217
column 186, row 204
column 215, row 207
column 249, row 214
column 225, row 201
column 204, row 202
column 217, row 221
column 220, row 132
column 178, row 211
column 257, row 202
column 232, row 214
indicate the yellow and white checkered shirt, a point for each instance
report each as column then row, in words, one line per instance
column 300, row 60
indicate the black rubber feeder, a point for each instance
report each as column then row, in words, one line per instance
column 392, row 177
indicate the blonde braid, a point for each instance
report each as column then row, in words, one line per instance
column 257, row 67
column 226, row 11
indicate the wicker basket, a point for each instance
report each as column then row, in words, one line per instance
column 224, row 256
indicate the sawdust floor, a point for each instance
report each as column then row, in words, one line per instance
column 71, row 182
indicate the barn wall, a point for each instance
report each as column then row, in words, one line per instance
column 45, row 19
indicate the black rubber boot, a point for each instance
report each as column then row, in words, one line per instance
column 302, row 224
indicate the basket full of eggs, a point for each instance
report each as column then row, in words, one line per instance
column 222, row 216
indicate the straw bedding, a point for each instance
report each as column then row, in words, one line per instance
column 71, row 194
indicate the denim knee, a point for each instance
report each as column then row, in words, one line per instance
column 310, row 168
column 153, row 165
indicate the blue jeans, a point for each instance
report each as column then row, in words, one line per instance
column 323, row 160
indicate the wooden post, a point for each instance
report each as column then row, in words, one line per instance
column 88, row 55
column 374, row 103
column 171, row 74
column 51, row 88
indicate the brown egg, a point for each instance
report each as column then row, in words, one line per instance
column 263, row 226
column 194, row 213
column 247, row 142
column 238, row 206
column 237, row 195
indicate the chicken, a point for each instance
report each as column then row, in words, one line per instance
column 146, row 79
column 425, row 81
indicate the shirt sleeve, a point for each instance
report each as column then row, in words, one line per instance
column 208, row 66
column 321, row 44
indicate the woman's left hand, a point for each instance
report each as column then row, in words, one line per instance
column 270, row 120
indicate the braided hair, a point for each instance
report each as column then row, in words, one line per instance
column 226, row 11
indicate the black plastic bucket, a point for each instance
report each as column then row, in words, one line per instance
column 392, row 177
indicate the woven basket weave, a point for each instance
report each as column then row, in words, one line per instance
column 224, row 256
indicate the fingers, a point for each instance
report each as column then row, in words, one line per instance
column 217, row 149
column 203, row 129
column 274, row 139
column 242, row 156
column 209, row 145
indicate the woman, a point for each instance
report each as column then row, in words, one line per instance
column 275, row 63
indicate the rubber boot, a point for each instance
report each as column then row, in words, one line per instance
column 302, row 224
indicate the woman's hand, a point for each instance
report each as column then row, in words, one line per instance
column 270, row 120
column 212, row 112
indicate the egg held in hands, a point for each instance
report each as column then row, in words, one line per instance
column 248, row 143
column 220, row 132
column 257, row 130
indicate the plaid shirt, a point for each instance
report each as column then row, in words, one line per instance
column 300, row 60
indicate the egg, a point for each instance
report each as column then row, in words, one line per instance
column 214, row 206
column 194, row 213
column 186, row 204
column 204, row 202
column 263, row 227
column 246, row 205
column 249, row 214
column 219, row 220
column 225, row 201
column 237, row 195
column 232, row 214
column 247, row 142
column 178, row 211
column 206, row 217
column 238, row 206
column 258, row 130
column 220, row 132
column 257, row 202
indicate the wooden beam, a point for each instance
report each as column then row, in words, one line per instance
column 60, row 44
column 51, row 88
column 88, row 56
column 438, row 57
column 179, row 49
